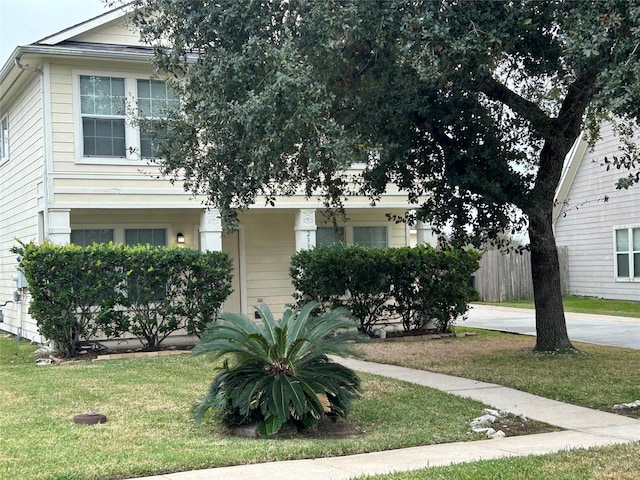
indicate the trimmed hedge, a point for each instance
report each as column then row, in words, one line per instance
column 419, row 284
column 111, row 290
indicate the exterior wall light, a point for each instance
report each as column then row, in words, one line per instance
column 180, row 238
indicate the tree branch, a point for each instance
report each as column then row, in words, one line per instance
column 526, row 108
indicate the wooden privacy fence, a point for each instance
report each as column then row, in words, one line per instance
column 507, row 276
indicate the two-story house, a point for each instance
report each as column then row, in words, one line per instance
column 73, row 169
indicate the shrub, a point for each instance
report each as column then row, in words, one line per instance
column 432, row 285
column 169, row 289
column 418, row 284
column 110, row 290
column 72, row 292
column 278, row 373
column 355, row 277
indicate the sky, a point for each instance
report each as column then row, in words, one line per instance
column 25, row 21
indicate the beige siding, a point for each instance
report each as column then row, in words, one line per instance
column 19, row 177
column 269, row 246
column 587, row 224
column 117, row 32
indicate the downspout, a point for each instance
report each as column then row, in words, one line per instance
column 45, row 146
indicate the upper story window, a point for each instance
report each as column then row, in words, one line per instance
column 627, row 252
column 4, row 139
column 155, row 98
column 103, row 111
column 105, row 131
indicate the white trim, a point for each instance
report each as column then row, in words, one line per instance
column 570, row 169
column 244, row 303
column 132, row 133
column 631, row 252
column 151, row 205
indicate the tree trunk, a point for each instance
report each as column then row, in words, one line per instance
column 551, row 328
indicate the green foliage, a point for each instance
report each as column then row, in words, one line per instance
column 433, row 284
column 109, row 290
column 278, row 373
column 469, row 107
column 418, row 284
column 169, row 289
column 355, row 277
column 73, row 294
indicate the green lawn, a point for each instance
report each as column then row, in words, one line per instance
column 150, row 429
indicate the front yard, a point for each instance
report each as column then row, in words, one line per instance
column 150, row 429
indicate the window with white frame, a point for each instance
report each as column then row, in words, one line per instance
column 370, row 236
column 105, row 131
column 155, row 98
column 156, row 237
column 85, row 235
column 88, row 236
column 4, row 139
column 627, row 252
column 103, row 112
column 330, row 236
column 375, row 236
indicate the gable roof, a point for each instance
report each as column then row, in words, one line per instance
column 85, row 26
column 569, row 171
column 62, row 43
column 65, row 43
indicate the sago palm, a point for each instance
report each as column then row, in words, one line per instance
column 278, row 372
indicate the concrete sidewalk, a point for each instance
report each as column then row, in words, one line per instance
column 584, row 428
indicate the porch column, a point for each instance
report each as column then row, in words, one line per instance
column 305, row 229
column 425, row 235
column 211, row 231
column 59, row 226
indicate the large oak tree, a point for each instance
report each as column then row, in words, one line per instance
column 469, row 106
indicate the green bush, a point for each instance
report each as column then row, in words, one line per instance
column 170, row 289
column 107, row 291
column 278, row 374
column 432, row 285
column 418, row 284
column 357, row 278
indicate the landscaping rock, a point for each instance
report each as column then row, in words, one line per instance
column 496, row 434
column 627, row 406
column 483, row 421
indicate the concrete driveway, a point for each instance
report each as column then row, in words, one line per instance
column 582, row 327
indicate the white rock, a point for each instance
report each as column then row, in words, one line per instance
column 483, row 421
column 481, row 429
column 494, row 434
column 493, row 413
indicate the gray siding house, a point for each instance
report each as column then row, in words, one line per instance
column 599, row 225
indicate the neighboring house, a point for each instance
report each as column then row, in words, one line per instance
column 599, row 225
column 70, row 173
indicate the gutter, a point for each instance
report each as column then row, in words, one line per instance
column 46, row 50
